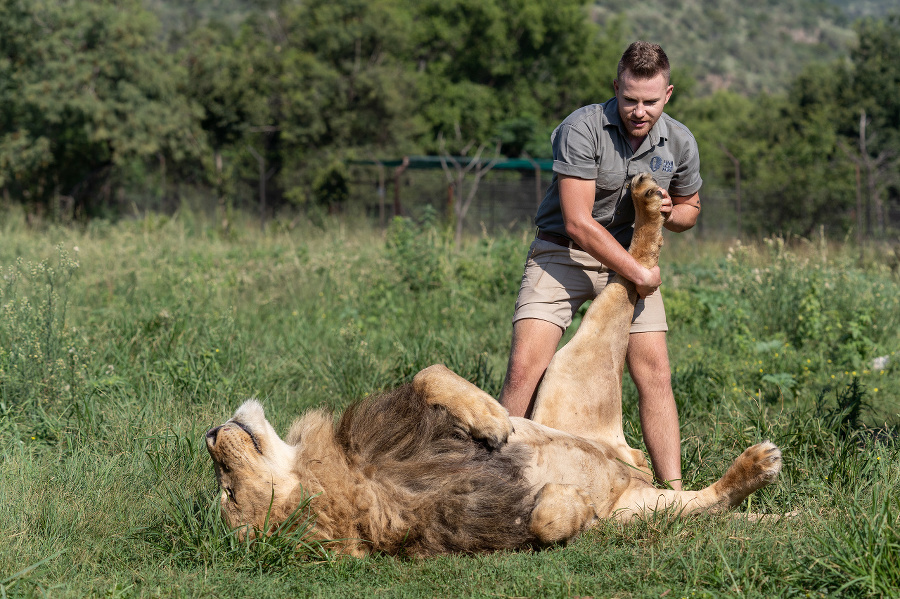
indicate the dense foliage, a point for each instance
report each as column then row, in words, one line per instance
column 102, row 108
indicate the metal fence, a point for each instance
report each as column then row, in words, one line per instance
column 504, row 201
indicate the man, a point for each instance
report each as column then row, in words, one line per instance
column 585, row 223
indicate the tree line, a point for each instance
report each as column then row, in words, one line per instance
column 96, row 101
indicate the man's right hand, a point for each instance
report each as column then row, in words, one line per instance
column 649, row 283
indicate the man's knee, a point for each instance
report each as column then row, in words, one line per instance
column 648, row 351
column 648, row 363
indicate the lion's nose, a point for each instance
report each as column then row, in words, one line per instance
column 211, row 436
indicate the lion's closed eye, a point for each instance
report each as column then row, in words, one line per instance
column 250, row 434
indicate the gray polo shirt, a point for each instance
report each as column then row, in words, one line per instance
column 592, row 143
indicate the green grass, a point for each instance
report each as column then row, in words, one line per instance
column 120, row 344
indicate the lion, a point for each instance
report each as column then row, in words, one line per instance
column 437, row 465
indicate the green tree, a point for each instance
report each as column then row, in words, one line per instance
column 86, row 87
column 876, row 86
column 876, row 78
column 795, row 175
column 804, row 180
column 357, row 78
column 339, row 84
column 226, row 77
column 489, row 63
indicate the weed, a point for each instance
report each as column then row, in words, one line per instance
column 860, row 552
column 41, row 355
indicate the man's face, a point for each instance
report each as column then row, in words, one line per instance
column 641, row 102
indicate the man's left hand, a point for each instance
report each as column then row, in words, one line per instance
column 680, row 213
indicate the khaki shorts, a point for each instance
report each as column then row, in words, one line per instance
column 558, row 280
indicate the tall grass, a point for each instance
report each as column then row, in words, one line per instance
column 120, row 344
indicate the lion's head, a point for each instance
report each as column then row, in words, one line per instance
column 254, row 468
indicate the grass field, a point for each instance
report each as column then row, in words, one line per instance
column 121, row 344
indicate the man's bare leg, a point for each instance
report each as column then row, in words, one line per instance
column 533, row 345
column 648, row 362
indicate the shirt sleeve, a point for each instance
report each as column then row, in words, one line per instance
column 686, row 180
column 574, row 152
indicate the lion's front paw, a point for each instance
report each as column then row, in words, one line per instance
column 490, row 422
column 478, row 414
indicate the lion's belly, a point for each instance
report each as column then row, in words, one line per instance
column 604, row 471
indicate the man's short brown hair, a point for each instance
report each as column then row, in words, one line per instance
column 644, row 60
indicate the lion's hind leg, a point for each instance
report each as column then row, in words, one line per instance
column 757, row 467
column 560, row 513
column 479, row 414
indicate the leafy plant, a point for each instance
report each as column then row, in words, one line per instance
column 42, row 357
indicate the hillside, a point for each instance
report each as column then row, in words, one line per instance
column 183, row 15
column 743, row 46
column 866, row 8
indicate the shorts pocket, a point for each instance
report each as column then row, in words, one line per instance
column 550, row 275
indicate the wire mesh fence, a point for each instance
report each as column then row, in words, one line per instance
column 503, row 201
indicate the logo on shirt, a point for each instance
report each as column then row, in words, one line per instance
column 667, row 165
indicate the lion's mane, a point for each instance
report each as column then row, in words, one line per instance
column 396, row 473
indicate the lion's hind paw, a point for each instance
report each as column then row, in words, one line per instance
column 646, row 195
column 765, row 460
column 560, row 513
column 757, row 467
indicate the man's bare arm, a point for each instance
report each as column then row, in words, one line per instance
column 576, row 198
column 682, row 213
